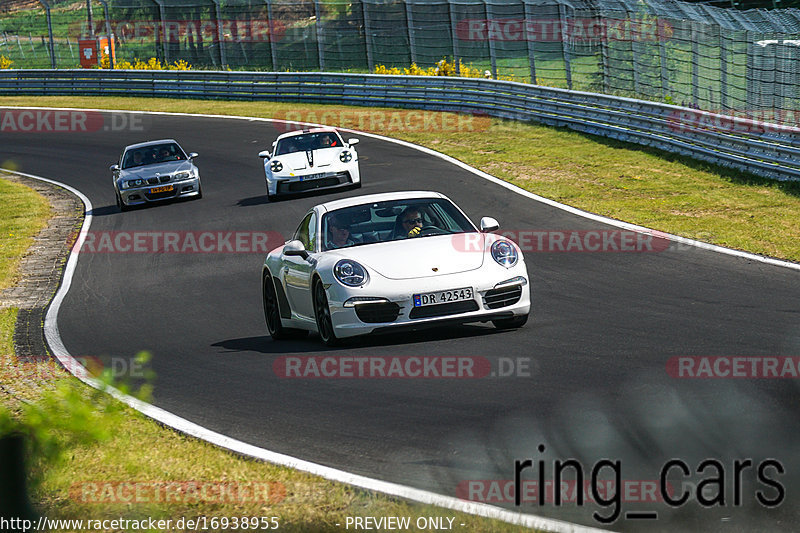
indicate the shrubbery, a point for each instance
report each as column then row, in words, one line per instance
column 150, row 64
column 442, row 68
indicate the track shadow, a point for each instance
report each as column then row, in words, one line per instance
column 253, row 200
column 265, row 344
column 113, row 209
column 104, row 211
column 433, row 334
column 262, row 199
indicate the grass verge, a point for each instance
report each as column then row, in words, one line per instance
column 624, row 181
column 22, row 216
column 94, row 459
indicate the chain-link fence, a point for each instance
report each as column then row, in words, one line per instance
column 698, row 55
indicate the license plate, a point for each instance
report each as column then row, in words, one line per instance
column 165, row 188
column 442, row 297
column 312, row 177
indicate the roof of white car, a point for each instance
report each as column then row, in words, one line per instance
column 148, row 143
column 307, row 130
column 382, row 197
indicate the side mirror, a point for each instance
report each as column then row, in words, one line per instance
column 193, row 155
column 352, row 141
column 264, row 154
column 489, row 224
column 113, row 168
column 295, row 248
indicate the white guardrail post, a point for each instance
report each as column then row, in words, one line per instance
column 764, row 149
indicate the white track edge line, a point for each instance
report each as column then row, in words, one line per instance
column 183, row 425
column 513, row 188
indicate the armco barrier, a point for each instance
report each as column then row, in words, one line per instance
column 768, row 150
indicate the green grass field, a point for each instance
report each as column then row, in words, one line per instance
column 22, row 215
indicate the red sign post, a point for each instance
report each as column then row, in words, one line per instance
column 96, row 50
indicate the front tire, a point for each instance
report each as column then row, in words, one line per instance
column 272, row 313
column 272, row 197
column 322, row 312
column 121, row 204
column 510, row 323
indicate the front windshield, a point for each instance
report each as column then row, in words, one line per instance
column 152, row 154
column 391, row 221
column 308, row 141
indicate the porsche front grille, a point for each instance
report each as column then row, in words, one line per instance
column 373, row 313
column 454, row 308
column 298, row 186
column 505, row 296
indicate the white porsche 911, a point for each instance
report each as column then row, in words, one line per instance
column 310, row 159
column 390, row 261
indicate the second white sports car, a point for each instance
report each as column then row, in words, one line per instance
column 310, row 159
column 388, row 261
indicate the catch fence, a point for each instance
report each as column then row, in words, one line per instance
column 690, row 54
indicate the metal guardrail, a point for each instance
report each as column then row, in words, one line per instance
column 764, row 149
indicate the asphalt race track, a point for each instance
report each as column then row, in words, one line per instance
column 604, row 326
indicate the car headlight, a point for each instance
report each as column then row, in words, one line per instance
column 276, row 166
column 185, row 175
column 504, row 253
column 132, row 183
column 350, row 273
column 345, row 157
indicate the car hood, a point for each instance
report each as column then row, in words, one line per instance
column 324, row 157
column 148, row 171
column 418, row 257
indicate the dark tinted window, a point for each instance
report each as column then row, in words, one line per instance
column 150, row 155
column 308, row 141
column 383, row 221
column 307, row 232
